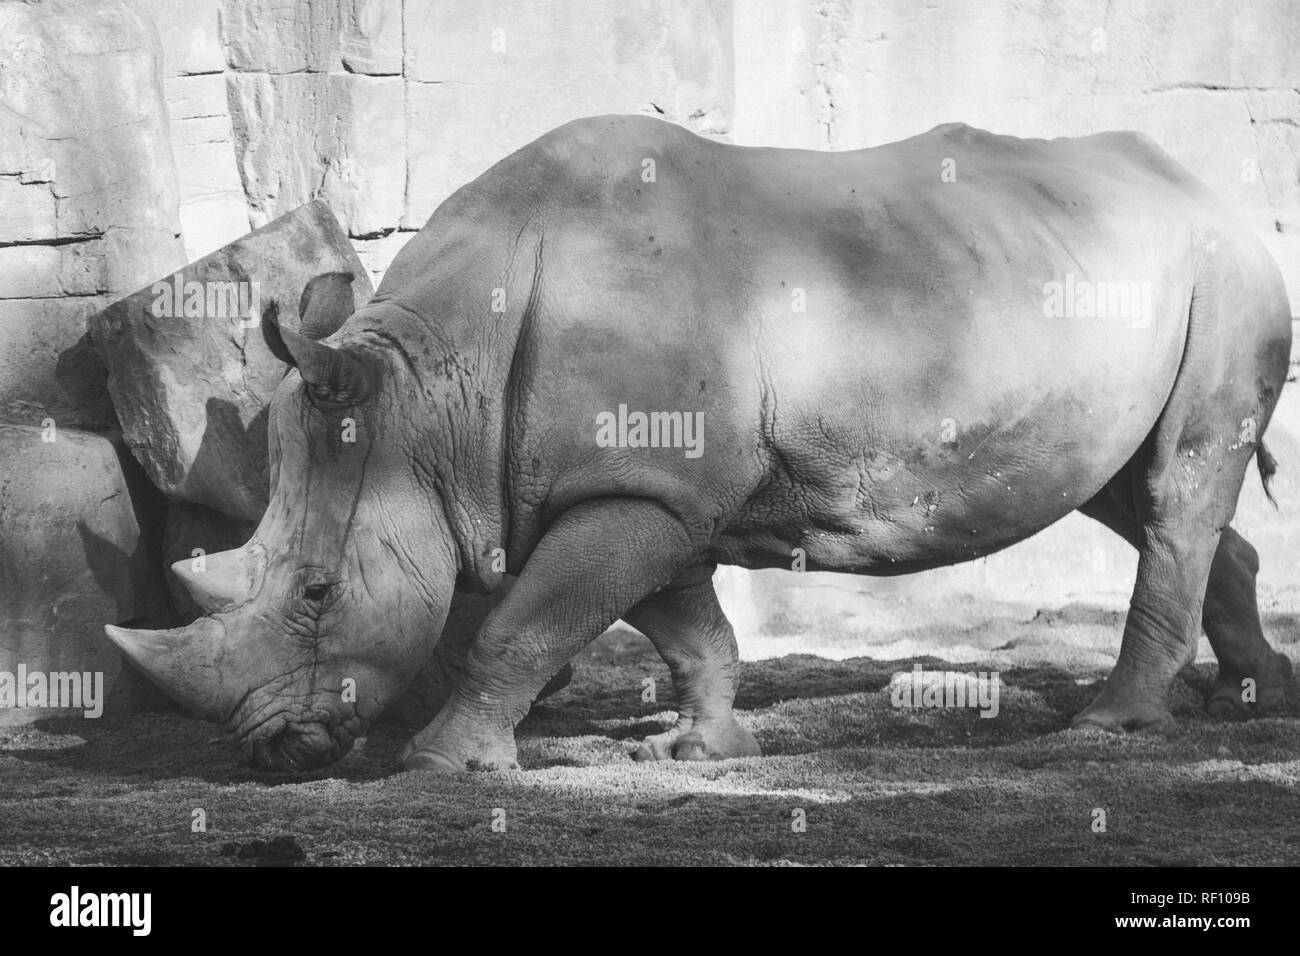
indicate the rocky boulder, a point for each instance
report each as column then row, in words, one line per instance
column 189, row 374
column 78, row 548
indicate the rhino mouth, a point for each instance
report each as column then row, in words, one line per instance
column 293, row 739
column 299, row 748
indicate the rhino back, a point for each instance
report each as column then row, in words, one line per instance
column 865, row 337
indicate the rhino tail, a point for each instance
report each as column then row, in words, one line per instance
column 1267, row 465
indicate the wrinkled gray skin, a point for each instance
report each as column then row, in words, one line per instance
column 824, row 429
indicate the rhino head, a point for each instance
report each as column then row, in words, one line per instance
column 322, row 619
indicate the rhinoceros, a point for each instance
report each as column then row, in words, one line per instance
column 626, row 354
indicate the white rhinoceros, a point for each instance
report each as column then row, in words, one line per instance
column 625, row 354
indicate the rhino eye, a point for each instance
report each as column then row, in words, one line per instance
column 316, row 592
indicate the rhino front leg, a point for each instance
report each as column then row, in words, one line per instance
column 431, row 688
column 691, row 633
column 597, row 560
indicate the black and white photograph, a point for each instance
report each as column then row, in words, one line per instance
column 650, row 433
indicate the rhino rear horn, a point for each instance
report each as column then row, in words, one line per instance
column 226, row 579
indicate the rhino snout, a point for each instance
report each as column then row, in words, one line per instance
column 301, row 747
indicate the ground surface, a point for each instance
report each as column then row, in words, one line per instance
column 877, row 785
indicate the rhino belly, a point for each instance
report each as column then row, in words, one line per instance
column 851, row 500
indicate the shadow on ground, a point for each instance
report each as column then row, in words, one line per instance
column 875, row 784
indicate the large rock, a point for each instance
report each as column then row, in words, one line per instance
column 88, row 200
column 39, row 339
column 78, row 549
column 191, row 377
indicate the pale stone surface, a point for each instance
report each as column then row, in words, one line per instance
column 26, row 210
column 357, row 135
column 370, row 40
column 378, row 254
column 1286, row 250
column 84, row 120
column 189, row 35
column 275, row 36
column 212, row 208
column 87, row 186
column 191, row 389
column 30, row 272
column 871, row 73
column 73, row 556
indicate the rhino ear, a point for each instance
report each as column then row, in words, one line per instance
column 326, row 303
column 334, row 377
column 271, row 334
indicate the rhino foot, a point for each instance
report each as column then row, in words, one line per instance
column 700, row 740
column 431, row 761
column 1119, row 717
column 432, row 754
column 1274, row 693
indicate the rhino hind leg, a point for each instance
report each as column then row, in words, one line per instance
column 1230, row 617
column 1161, row 629
column 1181, row 489
column 1254, row 680
column 692, row 634
column 596, row 561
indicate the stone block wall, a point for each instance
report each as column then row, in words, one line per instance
column 88, row 196
column 138, row 135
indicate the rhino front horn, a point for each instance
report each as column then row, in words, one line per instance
column 185, row 662
column 223, row 580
